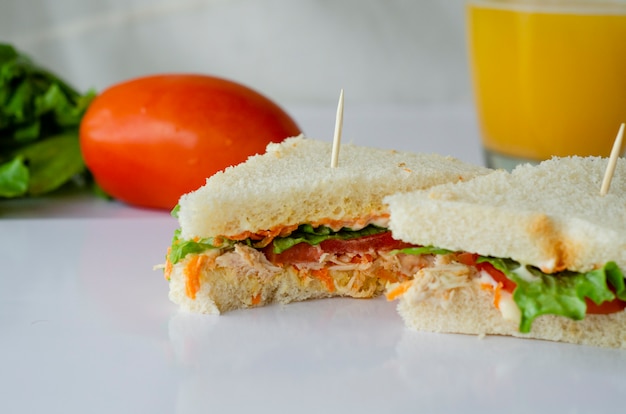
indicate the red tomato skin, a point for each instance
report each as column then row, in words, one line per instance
column 149, row 140
column 305, row 253
column 299, row 253
column 381, row 241
column 605, row 308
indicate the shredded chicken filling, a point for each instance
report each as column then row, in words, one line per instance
column 444, row 277
column 361, row 274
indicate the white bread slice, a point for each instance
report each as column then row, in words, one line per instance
column 292, row 184
column 551, row 215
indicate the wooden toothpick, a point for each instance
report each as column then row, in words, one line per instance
column 610, row 169
column 338, row 127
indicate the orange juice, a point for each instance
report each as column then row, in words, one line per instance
column 548, row 80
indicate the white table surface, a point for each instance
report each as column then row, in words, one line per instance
column 86, row 326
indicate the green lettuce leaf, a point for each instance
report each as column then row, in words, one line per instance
column 52, row 162
column 39, row 119
column 175, row 210
column 422, row 250
column 562, row 293
column 306, row 233
column 14, row 177
column 181, row 248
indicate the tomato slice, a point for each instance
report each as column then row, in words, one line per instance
column 470, row 259
column 498, row 276
column 299, row 253
column 381, row 241
column 305, row 253
column 605, row 308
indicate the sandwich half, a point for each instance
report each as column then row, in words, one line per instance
column 284, row 226
column 534, row 253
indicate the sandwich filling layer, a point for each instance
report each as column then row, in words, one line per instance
column 521, row 292
column 355, row 258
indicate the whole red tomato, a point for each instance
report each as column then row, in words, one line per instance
column 149, row 140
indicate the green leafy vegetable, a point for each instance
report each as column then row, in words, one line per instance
column 181, row 248
column 422, row 250
column 175, row 211
column 305, row 233
column 13, row 178
column 561, row 293
column 39, row 119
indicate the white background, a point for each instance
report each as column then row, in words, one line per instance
column 297, row 52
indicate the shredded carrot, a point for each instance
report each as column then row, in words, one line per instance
column 398, row 290
column 192, row 272
column 486, row 286
column 496, row 295
column 256, row 299
column 387, row 275
column 167, row 272
column 324, row 276
column 497, row 292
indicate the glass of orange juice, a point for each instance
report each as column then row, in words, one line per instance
column 549, row 77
